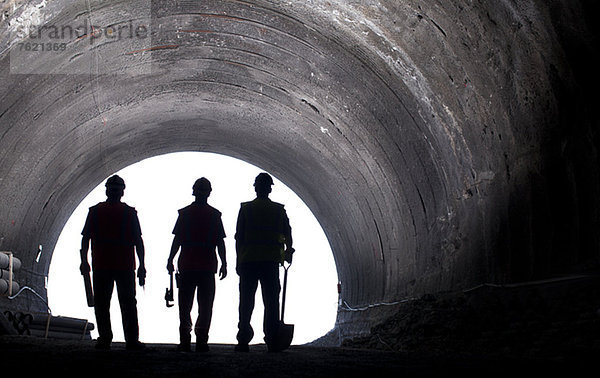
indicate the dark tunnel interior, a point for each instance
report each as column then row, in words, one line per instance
column 441, row 145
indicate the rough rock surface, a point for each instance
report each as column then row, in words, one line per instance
column 440, row 144
column 558, row 320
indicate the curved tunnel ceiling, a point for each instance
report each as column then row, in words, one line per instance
column 405, row 128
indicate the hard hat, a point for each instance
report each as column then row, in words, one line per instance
column 202, row 185
column 263, row 179
column 115, row 182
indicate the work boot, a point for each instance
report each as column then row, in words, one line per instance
column 201, row 339
column 135, row 345
column 102, row 344
column 202, row 347
column 185, row 341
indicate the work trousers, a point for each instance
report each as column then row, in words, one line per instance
column 267, row 273
column 188, row 283
column 104, row 281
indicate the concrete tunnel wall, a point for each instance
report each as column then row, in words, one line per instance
column 439, row 144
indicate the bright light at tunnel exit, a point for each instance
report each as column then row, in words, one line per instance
column 157, row 188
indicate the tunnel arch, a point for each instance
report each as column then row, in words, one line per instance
column 419, row 136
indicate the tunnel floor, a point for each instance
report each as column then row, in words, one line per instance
column 31, row 355
column 543, row 328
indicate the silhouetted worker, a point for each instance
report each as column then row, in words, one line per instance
column 262, row 231
column 198, row 231
column 114, row 230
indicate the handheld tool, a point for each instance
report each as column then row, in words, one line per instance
column 169, row 292
column 285, row 333
column 89, row 292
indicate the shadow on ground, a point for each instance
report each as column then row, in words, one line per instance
column 27, row 356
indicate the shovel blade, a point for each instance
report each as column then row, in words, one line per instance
column 285, row 335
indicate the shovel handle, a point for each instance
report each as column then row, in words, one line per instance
column 285, row 274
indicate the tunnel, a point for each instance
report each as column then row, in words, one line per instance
column 441, row 145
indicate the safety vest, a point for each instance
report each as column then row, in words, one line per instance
column 114, row 229
column 199, row 228
column 112, row 223
column 261, row 231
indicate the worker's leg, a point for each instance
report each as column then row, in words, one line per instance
column 270, row 287
column 103, row 288
column 187, row 286
column 206, row 297
column 248, row 286
column 126, row 291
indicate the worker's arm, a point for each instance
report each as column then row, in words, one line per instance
column 239, row 234
column 288, row 242
column 139, row 249
column 174, row 248
column 85, row 245
column 238, row 250
column 85, row 242
column 289, row 250
column 238, row 247
column 222, row 256
column 288, row 253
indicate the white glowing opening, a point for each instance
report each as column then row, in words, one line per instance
column 157, row 188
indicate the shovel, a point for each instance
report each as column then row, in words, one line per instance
column 169, row 293
column 285, row 333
